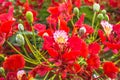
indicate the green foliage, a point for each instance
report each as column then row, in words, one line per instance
column 88, row 13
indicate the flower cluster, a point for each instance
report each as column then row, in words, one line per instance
column 59, row 40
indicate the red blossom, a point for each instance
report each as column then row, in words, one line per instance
column 110, row 69
column 14, row 62
column 94, row 48
column 89, row 29
column 71, row 56
column 53, row 53
column 93, row 62
column 77, row 3
column 101, row 35
column 116, row 29
column 48, row 42
column 7, row 16
column 40, row 69
column 1, row 78
column 11, row 76
column 89, row 2
column 54, row 11
column 113, row 3
column 63, row 25
column 75, row 68
column 40, row 27
column 80, row 21
column 6, row 27
column 77, row 44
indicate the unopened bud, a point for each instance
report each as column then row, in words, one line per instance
column 76, row 11
column 100, row 16
column 2, row 71
column 82, row 30
column 2, row 57
column 20, row 27
column 96, row 7
column 103, row 11
column 106, row 17
column 20, row 40
column 29, row 16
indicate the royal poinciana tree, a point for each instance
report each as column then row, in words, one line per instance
column 59, row 40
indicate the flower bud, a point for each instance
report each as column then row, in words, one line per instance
column 106, row 17
column 20, row 27
column 96, row 7
column 76, row 11
column 20, row 40
column 103, row 11
column 2, row 71
column 100, row 16
column 29, row 16
column 82, row 30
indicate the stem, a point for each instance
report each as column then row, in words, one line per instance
column 93, row 20
column 117, row 61
column 33, row 31
column 60, row 77
column 31, row 48
column 26, row 67
column 45, row 78
column 42, row 56
column 96, row 28
column 72, row 22
column 23, row 48
column 53, row 77
column 26, row 59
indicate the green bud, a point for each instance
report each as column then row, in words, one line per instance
column 106, row 17
column 96, row 7
column 29, row 16
column 20, row 40
column 100, row 16
column 2, row 57
column 2, row 71
column 103, row 11
column 20, row 27
column 76, row 11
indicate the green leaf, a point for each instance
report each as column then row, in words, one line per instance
column 88, row 13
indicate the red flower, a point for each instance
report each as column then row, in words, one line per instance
column 72, row 55
column 75, row 68
column 89, row 29
column 110, row 69
column 77, row 3
column 89, row 2
column 94, row 48
column 40, row 69
column 80, row 23
column 14, row 62
column 77, row 44
column 40, row 27
column 113, row 3
column 2, row 78
column 63, row 25
column 6, row 27
column 11, row 76
column 116, row 29
column 93, row 62
column 53, row 53
column 54, row 11
column 7, row 16
column 102, row 36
